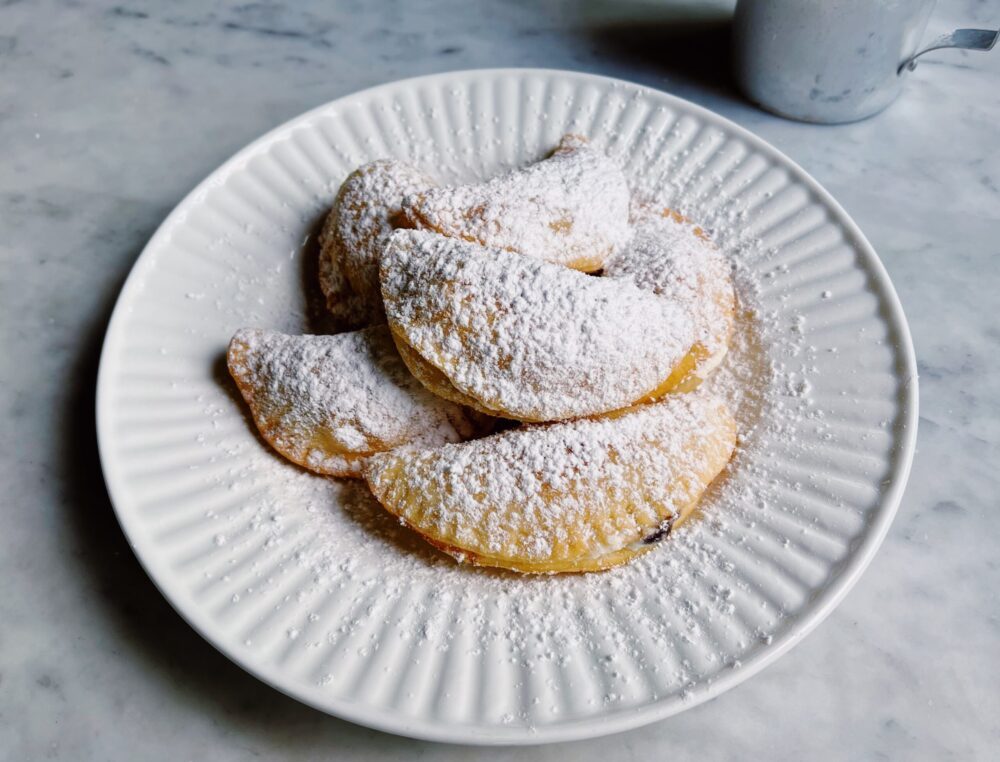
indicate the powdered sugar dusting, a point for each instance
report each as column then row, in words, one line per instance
column 571, row 208
column 668, row 601
column 670, row 611
column 395, row 631
column 674, row 258
column 663, row 600
column 323, row 401
column 565, row 495
column 531, row 340
column 356, row 231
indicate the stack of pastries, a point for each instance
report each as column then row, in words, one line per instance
column 496, row 396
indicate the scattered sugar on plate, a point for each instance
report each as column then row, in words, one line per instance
column 362, row 570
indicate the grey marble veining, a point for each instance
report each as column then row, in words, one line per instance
column 110, row 113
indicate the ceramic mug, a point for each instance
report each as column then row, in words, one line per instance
column 826, row 60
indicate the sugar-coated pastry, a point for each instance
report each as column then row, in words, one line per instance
column 347, row 309
column 328, row 402
column 579, row 495
column 520, row 338
column 570, row 208
column 672, row 257
column 363, row 216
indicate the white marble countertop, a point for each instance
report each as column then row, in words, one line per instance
column 110, row 112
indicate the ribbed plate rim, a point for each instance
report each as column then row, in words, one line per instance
column 804, row 621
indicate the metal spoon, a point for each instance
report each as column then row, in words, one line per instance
column 968, row 39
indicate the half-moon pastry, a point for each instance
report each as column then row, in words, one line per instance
column 672, row 257
column 328, row 402
column 579, row 495
column 520, row 338
column 571, row 208
column 364, row 214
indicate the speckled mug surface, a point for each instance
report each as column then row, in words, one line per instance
column 831, row 61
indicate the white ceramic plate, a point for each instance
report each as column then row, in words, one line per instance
column 305, row 582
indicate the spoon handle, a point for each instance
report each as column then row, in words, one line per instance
column 968, row 39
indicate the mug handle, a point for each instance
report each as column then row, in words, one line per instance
column 968, row 39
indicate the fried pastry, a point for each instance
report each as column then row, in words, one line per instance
column 520, row 338
column 570, row 208
column 329, row 402
column 572, row 496
column 672, row 257
column 347, row 309
column 364, row 214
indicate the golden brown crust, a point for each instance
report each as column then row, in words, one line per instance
column 672, row 256
column 523, row 339
column 608, row 488
column 329, row 402
column 570, row 208
column 347, row 309
column 364, row 213
column 337, row 461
